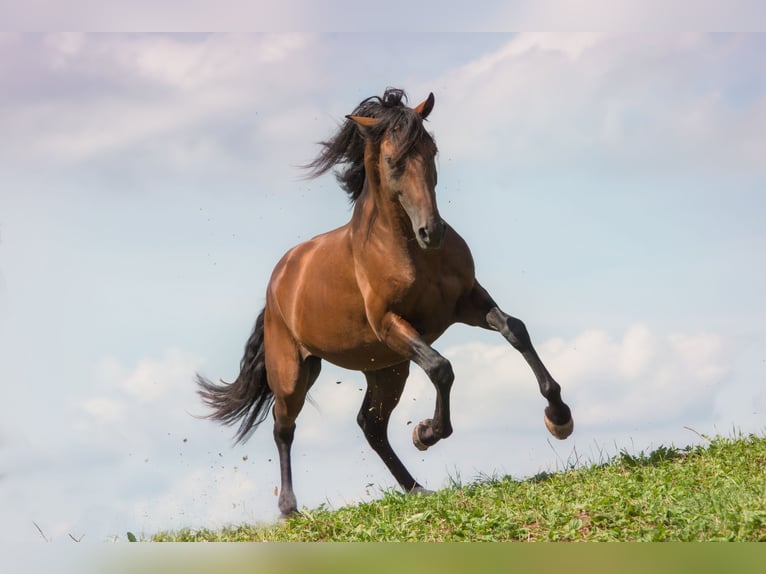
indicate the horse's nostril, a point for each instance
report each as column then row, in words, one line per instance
column 423, row 233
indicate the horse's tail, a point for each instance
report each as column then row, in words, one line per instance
column 249, row 397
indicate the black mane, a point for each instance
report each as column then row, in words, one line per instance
column 346, row 147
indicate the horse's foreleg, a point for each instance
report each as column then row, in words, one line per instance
column 384, row 388
column 402, row 337
column 480, row 310
column 558, row 417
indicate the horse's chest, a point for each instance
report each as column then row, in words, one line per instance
column 430, row 307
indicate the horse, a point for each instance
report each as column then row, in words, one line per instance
column 372, row 296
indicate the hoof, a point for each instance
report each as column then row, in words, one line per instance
column 560, row 431
column 419, row 444
column 283, row 518
column 420, row 491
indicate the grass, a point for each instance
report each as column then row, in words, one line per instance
column 715, row 492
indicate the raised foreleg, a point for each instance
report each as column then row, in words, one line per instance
column 402, row 337
column 479, row 309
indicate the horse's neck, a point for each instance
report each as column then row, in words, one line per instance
column 376, row 213
column 378, row 224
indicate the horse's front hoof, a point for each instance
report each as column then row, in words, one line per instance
column 559, row 431
column 416, row 434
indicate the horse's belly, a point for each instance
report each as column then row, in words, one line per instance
column 362, row 358
column 354, row 345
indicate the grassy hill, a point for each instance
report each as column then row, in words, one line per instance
column 715, row 492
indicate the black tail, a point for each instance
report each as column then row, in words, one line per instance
column 249, row 398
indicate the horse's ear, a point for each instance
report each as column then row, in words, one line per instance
column 424, row 108
column 363, row 122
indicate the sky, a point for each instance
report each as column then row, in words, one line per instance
column 611, row 187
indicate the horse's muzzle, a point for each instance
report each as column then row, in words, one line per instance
column 431, row 235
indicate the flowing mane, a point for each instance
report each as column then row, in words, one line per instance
column 346, row 147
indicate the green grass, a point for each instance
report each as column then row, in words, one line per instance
column 715, row 492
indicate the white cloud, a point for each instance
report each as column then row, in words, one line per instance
column 143, row 400
column 199, row 102
column 570, row 46
column 108, row 93
column 213, row 498
column 103, row 410
column 619, row 100
column 643, row 378
column 64, row 46
column 150, row 379
column 177, row 471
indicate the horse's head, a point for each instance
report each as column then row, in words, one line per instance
column 400, row 159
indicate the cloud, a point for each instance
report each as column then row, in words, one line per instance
column 103, row 410
column 213, row 496
column 170, row 470
column 83, row 97
column 146, row 398
column 222, row 102
column 641, row 379
column 619, row 101
column 150, row 379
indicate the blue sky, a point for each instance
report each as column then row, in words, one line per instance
column 611, row 188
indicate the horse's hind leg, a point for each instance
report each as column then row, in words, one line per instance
column 290, row 378
column 384, row 388
column 293, row 384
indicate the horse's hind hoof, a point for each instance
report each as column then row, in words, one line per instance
column 420, row 491
column 419, row 444
column 559, row 431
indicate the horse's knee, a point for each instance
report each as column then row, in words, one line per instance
column 516, row 326
column 440, row 372
column 517, row 334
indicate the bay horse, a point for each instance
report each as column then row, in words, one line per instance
column 371, row 296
